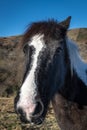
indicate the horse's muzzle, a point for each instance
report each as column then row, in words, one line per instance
column 35, row 117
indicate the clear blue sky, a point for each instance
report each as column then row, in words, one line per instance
column 15, row 15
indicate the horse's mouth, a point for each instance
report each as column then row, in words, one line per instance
column 37, row 121
column 33, row 121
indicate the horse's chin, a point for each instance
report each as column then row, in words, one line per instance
column 37, row 121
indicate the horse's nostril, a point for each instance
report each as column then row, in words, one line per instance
column 39, row 109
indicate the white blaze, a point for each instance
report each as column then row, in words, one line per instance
column 29, row 89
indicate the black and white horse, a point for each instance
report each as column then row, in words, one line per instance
column 54, row 72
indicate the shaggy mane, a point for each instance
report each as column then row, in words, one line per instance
column 77, row 63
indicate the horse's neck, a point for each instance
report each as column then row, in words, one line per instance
column 69, row 116
column 74, row 89
column 68, row 102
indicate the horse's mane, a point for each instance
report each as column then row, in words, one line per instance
column 76, row 61
column 50, row 29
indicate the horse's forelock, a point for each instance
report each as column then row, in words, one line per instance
column 50, row 29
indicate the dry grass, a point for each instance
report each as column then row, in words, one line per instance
column 10, row 121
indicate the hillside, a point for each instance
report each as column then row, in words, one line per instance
column 12, row 59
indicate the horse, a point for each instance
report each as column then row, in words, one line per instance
column 54, row 71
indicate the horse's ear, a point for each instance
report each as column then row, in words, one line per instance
column 66, row 23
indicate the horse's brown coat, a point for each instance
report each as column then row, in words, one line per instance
column 68, row 115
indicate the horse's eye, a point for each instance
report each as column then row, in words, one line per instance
column 59, row 50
